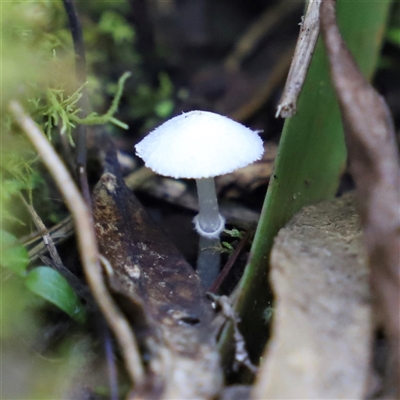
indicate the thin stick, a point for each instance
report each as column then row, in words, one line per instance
column 83, row 103
column 301, row 60
column 86, row 242
column 58, row 233
column 228, row 266
column 110, row 357
column 77, row 38
column 55, row 262
column 47, row 239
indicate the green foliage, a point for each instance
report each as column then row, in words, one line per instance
column 393, row 32
column 95, row 119
column 37, row 35
column 19, row 166
column 117, row 27
column 226, row 248
column 53, row 287
column 393, row 36
column 234, row 233
column 110, row 48
column 60, row 111
column 16, row 174
column 34, row 47
column 66, row 112
column 110, row 43
column 13, row 255
column 148, row 101
column 16, row 317
column 42, row 281
column 36, row 56
column 38, row 70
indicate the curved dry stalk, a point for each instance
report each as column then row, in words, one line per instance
column 309, row 30
column 86, row 242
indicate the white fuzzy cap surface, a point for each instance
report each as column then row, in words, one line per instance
column 199, row 144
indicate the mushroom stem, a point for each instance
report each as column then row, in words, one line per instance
column 208, row 261
column 209, row 224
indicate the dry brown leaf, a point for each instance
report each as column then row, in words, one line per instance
column 160, row 294
column 374, row 165
column 320, row 345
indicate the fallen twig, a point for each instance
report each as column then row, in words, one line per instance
column 58, row 233
column 301, row 60
column 47, row 239
column 232, row 259
column 55, row 262
column 241, row 355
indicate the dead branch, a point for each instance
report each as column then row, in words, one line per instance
column 301, row 60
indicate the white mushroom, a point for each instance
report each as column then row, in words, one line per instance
column 201, row 145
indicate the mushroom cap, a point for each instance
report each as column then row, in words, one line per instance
column 199, row 144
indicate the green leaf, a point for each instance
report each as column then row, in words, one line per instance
column 14, row 255
column 116, row 25
column 310, row 161
column 394, row 36
column 164, row 108
column 53, row 287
